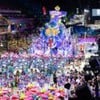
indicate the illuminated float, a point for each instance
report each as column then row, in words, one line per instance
column 55, row 39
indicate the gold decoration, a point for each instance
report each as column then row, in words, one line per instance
column 17, row 44
column 57, row 8
column 52, row 31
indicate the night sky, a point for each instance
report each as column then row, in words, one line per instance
column 32, row 7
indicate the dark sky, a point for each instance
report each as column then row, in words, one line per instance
column 33, row 6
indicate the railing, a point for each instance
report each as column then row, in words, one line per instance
column 10, row 11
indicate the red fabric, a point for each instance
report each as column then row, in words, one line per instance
column 50, row 43
column 44, row 10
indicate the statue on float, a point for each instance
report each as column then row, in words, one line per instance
column 55, row 38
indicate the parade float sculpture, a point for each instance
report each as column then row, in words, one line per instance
column 55, row 39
